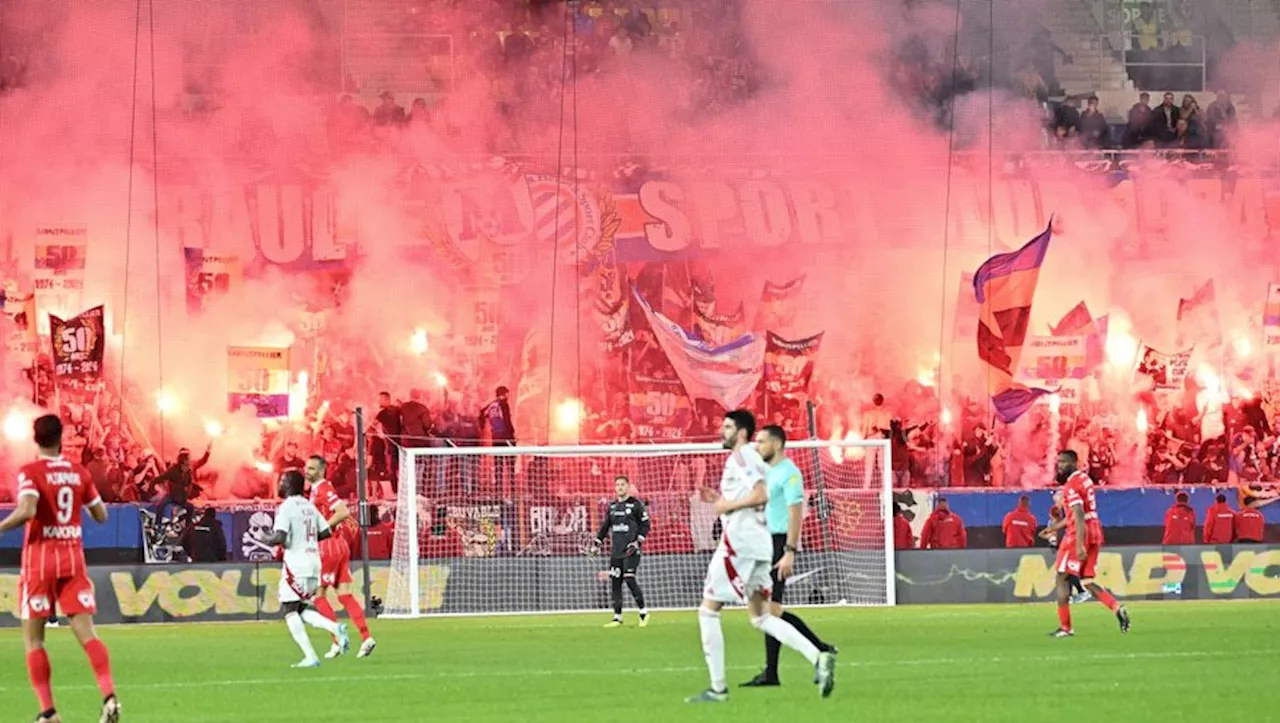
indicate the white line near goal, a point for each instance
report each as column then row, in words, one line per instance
column 501, row 530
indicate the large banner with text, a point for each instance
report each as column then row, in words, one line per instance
column 647, row 214
column 1142, row 573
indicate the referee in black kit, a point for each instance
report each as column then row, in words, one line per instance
column 784, row 512
column 627, row 523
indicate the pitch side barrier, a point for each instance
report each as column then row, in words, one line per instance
column 247, row 591
column 1199, row 572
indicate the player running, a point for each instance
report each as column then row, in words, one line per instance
column 627, row 524
column 335, row 557
column 299, row 528
column 1078, row 553
column 784, row 513
column 51, row 492
column 739, row 570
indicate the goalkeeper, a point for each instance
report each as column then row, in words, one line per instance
column 784, row 512
column 627, row 523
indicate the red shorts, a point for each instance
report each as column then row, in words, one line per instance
column 1067, row 562
column 72, row 595
column 335, row 562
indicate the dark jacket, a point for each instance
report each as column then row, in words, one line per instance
column 205, row 541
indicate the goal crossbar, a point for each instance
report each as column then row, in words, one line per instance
column 405, row 585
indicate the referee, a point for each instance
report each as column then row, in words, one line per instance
column 626, row 522
column 784, row 512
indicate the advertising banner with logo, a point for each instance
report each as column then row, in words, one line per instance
column 1143, row 573
column 258, row 377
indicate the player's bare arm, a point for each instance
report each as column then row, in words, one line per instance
column 340, row 514
column 98, row 512
column 276, row 537
column 25, row 510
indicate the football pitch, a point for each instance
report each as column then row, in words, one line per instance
column 1189, row 661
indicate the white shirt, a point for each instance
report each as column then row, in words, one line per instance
column 746, row 533
column 301, row 523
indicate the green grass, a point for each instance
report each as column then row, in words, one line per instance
column 1189, row 661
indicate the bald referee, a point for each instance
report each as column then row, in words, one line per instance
column 784, row 512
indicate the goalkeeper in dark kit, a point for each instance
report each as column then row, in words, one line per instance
column 626, row 522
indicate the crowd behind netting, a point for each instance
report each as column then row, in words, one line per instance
column 936, row 440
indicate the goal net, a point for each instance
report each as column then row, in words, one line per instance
column 504, row 530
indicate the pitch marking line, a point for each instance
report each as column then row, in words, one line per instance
column 303, row 678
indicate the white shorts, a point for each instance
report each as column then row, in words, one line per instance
column 294, row 588
column 732, row 580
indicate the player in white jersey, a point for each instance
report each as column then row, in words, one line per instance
column 299, row 529
column 739, row 570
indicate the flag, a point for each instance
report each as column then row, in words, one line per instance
column 725, row 373
column 1271, row 316
column 1198, row 319
column 1005, row 286
column 78, row 344
column 778, row 304
column 613, row 308
column 717, row 329
column 1079, row 322
column 788, row 365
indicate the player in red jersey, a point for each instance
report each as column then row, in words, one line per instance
column 335, row 557
column 51, row 492
column 1078, row 553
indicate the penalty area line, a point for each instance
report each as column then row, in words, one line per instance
column 303, row 678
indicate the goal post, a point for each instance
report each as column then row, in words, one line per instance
column 507, row 530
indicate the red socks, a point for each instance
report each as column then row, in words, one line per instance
column 40, row 672
column 356, row 612
column 1064, row 616
column 1106, row 598
column 322, row 606
column 101, row 663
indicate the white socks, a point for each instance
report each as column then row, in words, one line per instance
column 316, row 620
column 713, row 647
column 299, row 633
column 785, row 633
